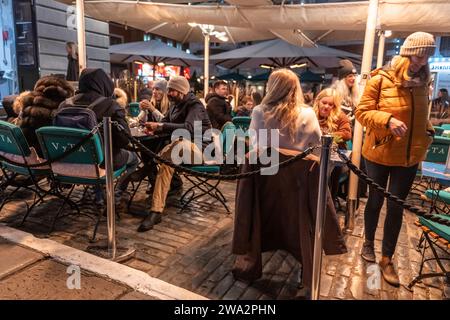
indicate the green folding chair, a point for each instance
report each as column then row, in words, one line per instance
column 242, row 122
column 435, row 237
column 438, row 150
column 81, row 167
column 438, row 130
column 14, row 147
column 204, row 186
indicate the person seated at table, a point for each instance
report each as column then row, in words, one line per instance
column 40, row 105
column 219, row 110
column 246, row 108
column 333, row 121
column 184, row 111
column 155, row 109
column 95, row 83
column 121, row 97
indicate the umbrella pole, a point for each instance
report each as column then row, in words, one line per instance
column 81, row 37
column 381, row 42
column 358, row 129
column 206, row 66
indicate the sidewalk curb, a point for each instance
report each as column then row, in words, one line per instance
column 135, row 279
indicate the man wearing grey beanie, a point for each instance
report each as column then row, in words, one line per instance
column 184, row 111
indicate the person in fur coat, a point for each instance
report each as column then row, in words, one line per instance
column 40, row 105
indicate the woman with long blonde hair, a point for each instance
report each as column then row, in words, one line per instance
column 347, row 88
column 332, row 119
column 283, row 109
column 158, row 106
column 394, row 110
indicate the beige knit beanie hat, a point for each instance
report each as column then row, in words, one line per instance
column 179, row 83
column 418, row 44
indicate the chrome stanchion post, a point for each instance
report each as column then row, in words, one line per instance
column 108, row 249
column 320, row 215
column 110, row 206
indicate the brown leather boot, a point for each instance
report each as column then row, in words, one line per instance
column 388, row 271
column 368, row 251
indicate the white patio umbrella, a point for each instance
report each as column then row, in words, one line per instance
column 279, row 53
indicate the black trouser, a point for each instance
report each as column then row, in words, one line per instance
column 334, row 181
column 400, row 182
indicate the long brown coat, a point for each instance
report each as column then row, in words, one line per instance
column 278, row 212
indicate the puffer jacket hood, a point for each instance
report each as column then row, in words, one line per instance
column 96, row 80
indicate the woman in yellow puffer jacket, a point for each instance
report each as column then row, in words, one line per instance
column 394, row 110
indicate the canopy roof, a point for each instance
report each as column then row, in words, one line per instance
column 151, row 51
column 296, row 23
column 279, row 53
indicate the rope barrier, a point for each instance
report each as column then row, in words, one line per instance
column 414, row 209
column 211, row 176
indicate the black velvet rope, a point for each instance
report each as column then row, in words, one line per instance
column 414, row 209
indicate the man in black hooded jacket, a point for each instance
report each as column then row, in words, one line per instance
column 95, row 83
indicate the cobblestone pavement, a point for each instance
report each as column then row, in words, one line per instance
column 192, row 250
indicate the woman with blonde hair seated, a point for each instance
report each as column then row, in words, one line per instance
column 333, row 121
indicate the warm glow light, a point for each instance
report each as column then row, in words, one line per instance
column 265, row 66
column 138, row 62
column 161, row 64
column 295, row 66
column 192, row 24
column 387, row 33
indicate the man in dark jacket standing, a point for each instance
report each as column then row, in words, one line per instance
column 219, row 110
column 185, row 113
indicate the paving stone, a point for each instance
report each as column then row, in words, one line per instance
column 325, row 285
column 222, row 287
column 47, row 280
column 251, row 294
column 14, row 258
column 357, row 287
column 139, row 265
column 419, row 293
column 339, row 287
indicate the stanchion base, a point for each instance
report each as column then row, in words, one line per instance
column 122, row 253
column 352, row 211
